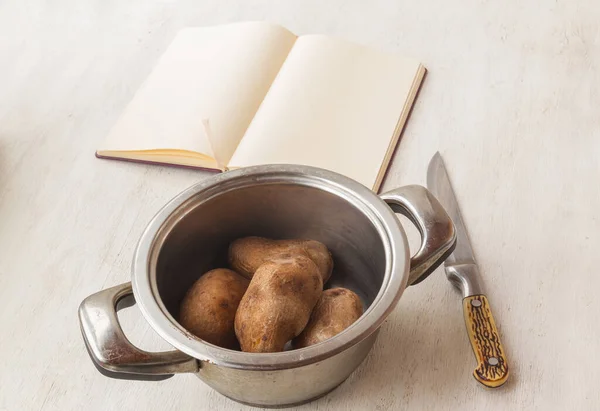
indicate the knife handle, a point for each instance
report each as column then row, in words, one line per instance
column 492, row 367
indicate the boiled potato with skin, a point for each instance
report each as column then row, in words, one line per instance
column 278, row 303
column 336, row 310
column 249, row 253
column 208, row 308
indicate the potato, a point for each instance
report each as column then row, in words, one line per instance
column 208, row 308
column 278, row 303
column 249, row 253
column 336, row 310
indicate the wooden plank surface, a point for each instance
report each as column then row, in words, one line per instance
column 511, row 100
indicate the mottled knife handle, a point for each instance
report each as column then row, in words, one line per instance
column 492, row 367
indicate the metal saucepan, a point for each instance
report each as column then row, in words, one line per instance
column 190, row 235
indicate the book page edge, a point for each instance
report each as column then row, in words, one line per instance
column 406, row 110
column 98, row 154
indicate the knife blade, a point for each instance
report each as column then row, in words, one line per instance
column 462, row 271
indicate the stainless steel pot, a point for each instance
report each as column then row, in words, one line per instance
column 190, row 235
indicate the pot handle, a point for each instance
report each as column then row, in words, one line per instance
column 438, row 235
column 112, row 353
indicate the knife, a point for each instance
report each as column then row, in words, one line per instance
column 462, row 271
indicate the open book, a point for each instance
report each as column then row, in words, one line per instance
column 253, row 93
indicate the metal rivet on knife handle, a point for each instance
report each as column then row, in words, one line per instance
column 476, row 303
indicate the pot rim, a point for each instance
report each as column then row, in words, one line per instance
column 382, row 217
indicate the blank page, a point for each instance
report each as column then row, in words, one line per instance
column 211, row 78
column 334, row 105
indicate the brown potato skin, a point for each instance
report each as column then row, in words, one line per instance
column 209, row 306
column 335, row 311
column 249, row 253
column 278, row 303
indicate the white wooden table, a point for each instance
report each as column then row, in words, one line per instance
column 511, row 101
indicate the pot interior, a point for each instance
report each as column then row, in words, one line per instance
column 199, row 240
